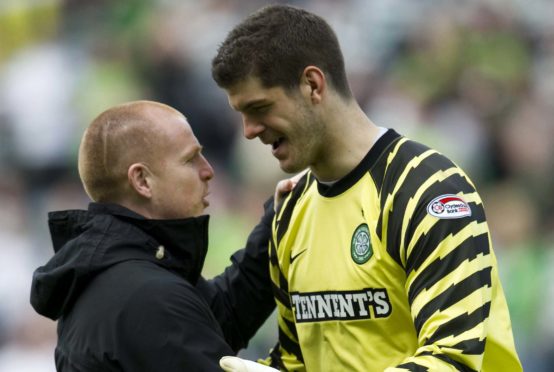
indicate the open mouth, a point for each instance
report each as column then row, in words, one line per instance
column 277, row 143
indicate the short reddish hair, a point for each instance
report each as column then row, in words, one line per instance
column 119, row 137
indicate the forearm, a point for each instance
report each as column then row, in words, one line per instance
column 241, row 297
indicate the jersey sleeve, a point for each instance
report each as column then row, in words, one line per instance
column 286, row 355
column 445, row 249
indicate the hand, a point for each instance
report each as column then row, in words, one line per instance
column 236, row 364
column 284, row 187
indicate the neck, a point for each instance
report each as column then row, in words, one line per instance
column 137, row 208
column 350, row 135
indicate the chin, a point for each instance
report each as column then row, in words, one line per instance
column 200, row 212
column 291, row 168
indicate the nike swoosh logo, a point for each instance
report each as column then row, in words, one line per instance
column 292, row 258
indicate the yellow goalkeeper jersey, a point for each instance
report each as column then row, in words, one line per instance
column 390, row 268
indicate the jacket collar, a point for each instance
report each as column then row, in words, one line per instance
column 177, row 244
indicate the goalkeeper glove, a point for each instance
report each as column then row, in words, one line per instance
column 235, row 364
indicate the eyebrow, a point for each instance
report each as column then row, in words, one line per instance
column 196, row 149
column 247, row 106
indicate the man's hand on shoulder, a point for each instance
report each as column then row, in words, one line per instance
column 284, row 187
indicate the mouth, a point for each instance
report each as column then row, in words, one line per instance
column 205, row 200
column 275, row 145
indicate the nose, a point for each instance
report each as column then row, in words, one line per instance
column 206, row 170
column 252, row 128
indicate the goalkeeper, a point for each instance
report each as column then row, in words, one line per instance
column 381, row 257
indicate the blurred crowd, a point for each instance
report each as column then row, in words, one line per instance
column 474, row 79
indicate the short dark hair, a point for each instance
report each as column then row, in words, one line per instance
column 275, row 44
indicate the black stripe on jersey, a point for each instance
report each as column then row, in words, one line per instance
column 413, row 181
column 280, row 295
column 429, row 241
column 281, row 290
column 276, row 360
column 369, row 160
column 273, row 259
column 378, row 169
column 453, row 294
column 284, row 220
column 290, row 345
column 291, row 325
column 474, row 346
column 407, row 152
column 459, row 366
column 460, row 324
column 439, row 268
column 413, row 367
column 283, row 283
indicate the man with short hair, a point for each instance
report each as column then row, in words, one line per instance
column 381, row 256
column 124, row 283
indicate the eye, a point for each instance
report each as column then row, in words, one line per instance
column 191, row 158
column 261, row 109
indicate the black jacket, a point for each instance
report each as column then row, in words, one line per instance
column 128, row 295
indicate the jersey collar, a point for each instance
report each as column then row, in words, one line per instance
column 364, row 166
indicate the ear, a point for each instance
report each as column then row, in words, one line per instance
column 313, row 83
column 139, row 177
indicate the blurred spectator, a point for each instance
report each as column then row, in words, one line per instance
column 524, row 264
column 168, row 67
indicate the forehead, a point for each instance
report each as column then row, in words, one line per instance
column 251, row 91
column 174, row 130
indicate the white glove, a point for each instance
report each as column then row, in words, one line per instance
column 236, row 364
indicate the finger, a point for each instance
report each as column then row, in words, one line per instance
column 298, row 176
column 283, row 187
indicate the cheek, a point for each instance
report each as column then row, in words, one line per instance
column 189, row 185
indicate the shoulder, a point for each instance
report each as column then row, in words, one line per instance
column 138, row 286
column 412, row 165
column 158, row 286
column 418, row 180
column 285, row 210
column 411, row 157
column 165, row 304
